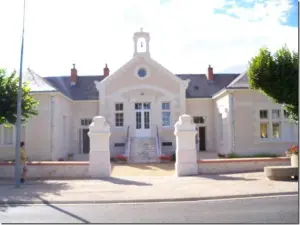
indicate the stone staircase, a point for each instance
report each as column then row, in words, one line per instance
column 143, row 150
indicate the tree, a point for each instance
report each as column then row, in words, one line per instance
column 276, row 76
column 8, row 99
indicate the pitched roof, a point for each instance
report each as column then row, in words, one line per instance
column 200, row 87
column 37, row 83
column 85, row 88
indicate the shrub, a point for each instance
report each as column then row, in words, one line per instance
column 112, row 159
column 174, row 157
column 165, row 157
column 221, row 155
column 293, row 150
column 258, row 155
column 120, row 158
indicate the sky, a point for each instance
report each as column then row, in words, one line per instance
column 186, row 35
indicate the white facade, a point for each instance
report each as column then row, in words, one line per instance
column 144, row 100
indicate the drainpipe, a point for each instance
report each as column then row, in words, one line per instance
column 51, row 124
column 232, row 115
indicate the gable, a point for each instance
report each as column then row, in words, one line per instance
column 240, row 82
column 156, row 76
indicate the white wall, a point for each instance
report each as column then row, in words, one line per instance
column 129, row 97
column 81, row 110
column 62, row 127
column 222, row 166
column 8, row 148
column 247, row 104
column 222, row 124
column 204, row 107
column 38, row 130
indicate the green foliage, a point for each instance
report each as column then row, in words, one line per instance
column 276, row 76
column 8, row 99
column 174, row 157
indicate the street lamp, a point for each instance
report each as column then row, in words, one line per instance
column 19, row 113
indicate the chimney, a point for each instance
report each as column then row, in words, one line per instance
column 73, row 75
column 106, row 71
column 210, row 73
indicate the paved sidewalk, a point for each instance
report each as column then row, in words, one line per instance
column 142, row 188
column 143, row 169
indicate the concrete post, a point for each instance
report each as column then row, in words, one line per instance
column 186, row 155
column 99, row 155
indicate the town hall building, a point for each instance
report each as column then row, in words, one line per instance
column 141, row 102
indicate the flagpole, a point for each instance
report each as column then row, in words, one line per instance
column 19, row 113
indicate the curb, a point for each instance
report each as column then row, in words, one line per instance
column 42, row 201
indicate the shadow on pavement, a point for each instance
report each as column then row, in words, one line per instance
column 224, row 177
column 30, row 191
column 122, row 181
column 63, row 211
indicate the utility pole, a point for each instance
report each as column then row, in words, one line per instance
column 19, row 112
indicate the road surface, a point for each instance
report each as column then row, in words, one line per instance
column 279, row 209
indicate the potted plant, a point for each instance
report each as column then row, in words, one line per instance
column 70, row 156
column 293, row 153
column 121, row 158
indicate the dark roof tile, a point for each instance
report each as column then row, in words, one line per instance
column 85, row 88
column 200, row 87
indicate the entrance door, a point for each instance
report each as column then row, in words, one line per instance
column 143, row 119
column 201, row 139
column 85, row 141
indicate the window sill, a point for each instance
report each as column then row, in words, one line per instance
column 167, row 127
column 269, row 140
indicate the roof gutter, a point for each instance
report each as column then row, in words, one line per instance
column 226, row 90
column 219, row 93
column 232, row 118
column 52, row 102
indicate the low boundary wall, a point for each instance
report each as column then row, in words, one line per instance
column 76, row 169
column 219, row 166
column 49, row 169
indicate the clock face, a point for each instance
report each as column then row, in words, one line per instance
column 142, row 72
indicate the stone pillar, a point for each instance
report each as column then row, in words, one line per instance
column 99, row 155
column 186, row 155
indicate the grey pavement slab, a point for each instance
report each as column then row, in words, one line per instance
column 138, row 189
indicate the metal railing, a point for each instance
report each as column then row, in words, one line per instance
column 158, row 146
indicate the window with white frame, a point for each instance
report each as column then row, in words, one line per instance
column 166, row 114
column 276, row 120
column 119, row 115
column 274, row 124
column 264, row 122
column 86, row 122
column 199, row 119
